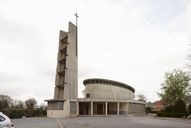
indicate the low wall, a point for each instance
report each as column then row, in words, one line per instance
column 136, row 107
column 56, row 113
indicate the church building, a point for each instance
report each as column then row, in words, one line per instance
column 102, row 96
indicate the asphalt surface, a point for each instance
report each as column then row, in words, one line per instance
column 103, row 122
column 36, row 123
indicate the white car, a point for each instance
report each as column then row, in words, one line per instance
column 5, row 122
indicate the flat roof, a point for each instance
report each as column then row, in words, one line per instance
column 107, row 82
column 54, row 100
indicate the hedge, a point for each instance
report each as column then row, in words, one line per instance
column 176, row 115
column 14, row 113
column 19, row 113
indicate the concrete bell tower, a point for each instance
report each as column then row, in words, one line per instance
column 64, row 103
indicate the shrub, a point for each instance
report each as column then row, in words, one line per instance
column 176, row 115
column 30, row 112
column 16, row 113
column 189, row 108
column 35, row 113
column 19, row 113
column 154, row 112
column 169, row 109
column 40, row 113
column 44, row 112
column 179, row 106
column 148, row 109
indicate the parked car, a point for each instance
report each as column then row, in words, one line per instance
column 5, row 122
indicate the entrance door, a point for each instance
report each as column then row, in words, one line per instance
column 87, row 110
column 84, row 108
column 100, row 109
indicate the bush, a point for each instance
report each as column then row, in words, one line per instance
column 30, row 112
column 189, row 108
column 176, row 115
column 19, row 113
column 169, row 109
column 44, row 112
column 179, row 106
column 16, row 113
column 40, row 113
column 154, row 112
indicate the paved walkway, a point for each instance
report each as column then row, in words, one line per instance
column 103, row 122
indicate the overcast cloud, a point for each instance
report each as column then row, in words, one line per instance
column 132, row 41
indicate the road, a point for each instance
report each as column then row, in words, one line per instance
column 103, row 122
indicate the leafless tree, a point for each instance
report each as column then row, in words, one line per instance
column 5, row 101
column 31, row 103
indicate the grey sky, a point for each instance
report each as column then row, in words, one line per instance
column 132, row 41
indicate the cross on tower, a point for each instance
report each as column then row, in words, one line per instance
column 76, row 18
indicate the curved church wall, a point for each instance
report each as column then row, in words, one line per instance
column 107, row 91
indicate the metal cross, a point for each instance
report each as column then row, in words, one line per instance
column 76, row 18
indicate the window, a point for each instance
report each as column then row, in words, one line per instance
column 60, row 106
column 73, row 107
column 88, row 95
